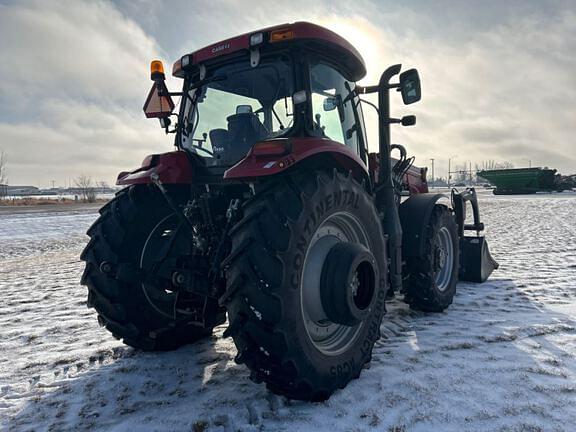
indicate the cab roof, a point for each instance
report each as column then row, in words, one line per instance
column 313, row 35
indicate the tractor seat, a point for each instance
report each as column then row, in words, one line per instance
column 244, row 130
column 220, row 140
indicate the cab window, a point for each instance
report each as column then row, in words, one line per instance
column 333, row 106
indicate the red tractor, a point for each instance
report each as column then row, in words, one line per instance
column 271, row 211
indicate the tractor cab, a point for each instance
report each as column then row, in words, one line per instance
column 289, row 81
column 238, row 106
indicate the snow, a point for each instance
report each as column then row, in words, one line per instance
column 502, row 357
column 59, row 197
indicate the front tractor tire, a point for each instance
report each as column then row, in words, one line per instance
column 306, row 284
column 431, row 280
column 126, row 238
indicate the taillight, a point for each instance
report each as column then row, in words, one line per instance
column 270, row 148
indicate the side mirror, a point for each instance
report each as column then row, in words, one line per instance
column 330, row 103
column 159, row 103
column 409, row 120
column 410, row 86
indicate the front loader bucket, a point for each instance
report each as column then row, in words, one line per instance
column 476, row 263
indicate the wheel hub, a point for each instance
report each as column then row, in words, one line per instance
column 354, row 284
column 444, row 259
column 348, row 283
column 440, row 258
column 327, row 335
column 160, row 253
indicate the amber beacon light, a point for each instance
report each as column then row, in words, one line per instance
column 156, row 70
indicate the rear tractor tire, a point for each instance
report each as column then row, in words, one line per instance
column 431, row 280
column 132, row 232
column 306, row 284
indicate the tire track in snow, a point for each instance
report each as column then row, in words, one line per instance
column 502, row 357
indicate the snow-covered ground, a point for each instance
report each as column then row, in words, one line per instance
column 58, row 197
column 503, row 356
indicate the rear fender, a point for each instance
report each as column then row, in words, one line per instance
column 414, row 215
column 171, row 168
column 298, row 150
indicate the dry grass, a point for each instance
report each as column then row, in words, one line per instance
column 43, row 201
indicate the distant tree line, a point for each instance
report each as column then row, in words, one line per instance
column 88, row 187
column 3, row 175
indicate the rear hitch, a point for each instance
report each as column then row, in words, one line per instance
column 476, row 262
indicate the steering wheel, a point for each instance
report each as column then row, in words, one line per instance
column 197, row 147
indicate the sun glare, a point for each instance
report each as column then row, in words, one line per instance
column 367, row 39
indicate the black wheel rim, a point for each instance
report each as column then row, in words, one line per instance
column 165, row 244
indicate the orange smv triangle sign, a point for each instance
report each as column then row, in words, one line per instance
column 158, row 103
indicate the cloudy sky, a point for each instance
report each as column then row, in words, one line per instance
column 498, row 77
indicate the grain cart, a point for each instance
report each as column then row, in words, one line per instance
column 272, row 211
column 519, row 181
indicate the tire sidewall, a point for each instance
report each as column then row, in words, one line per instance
column 330, row 197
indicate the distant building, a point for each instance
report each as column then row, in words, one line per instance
column 21, row 190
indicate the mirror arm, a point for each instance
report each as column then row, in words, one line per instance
column 367, row 89
column 405, row 121
column 375, row 88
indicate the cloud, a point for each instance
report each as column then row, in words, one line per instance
column 74, row 76
column 506, row 93
column 498, row 78
column 51, row 150
column 72, row 49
